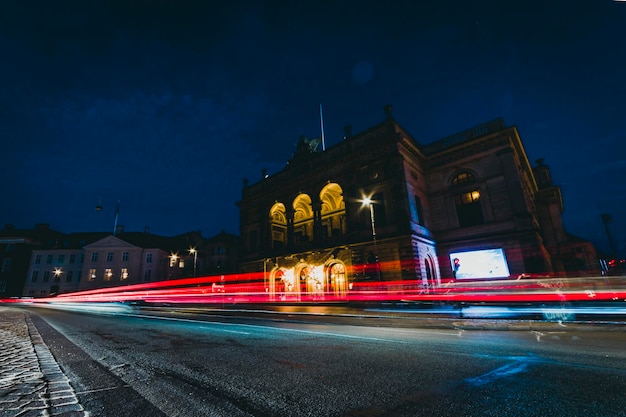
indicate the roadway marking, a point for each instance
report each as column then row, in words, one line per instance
column 265, row 328
column 142, row 316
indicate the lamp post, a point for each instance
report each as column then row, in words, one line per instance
column 117, row 214
column 57, row 274
column 173, row 259
column 368, row 202
column 194, row 252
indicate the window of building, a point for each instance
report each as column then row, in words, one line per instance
column 37, row 259
column 31, row 293
column 125, row 256
column 57, row 275
column 92, row 274
column 61, row 259
column 108, row 274
column 149, row 258
column 468, row 208
column 46, row 276
column 463, row 178
column 10, row 247
column 94, row 257
column 43, row 293
column 109, row 256
column 147, row 275
column 82, row 258
column 419, row 211
column 333, row 211
column 302, row 218
column 69, row 276
column 6, row 265
column 79, row 275
column 49, row 259
column 3, row 286
column 124, row 274
column 72, row 258
column 35, row 276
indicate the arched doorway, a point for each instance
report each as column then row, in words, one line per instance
column 336, row 281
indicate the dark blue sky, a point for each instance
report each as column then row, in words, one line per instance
column 167, row 105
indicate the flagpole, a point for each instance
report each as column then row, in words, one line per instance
column 117, row 213
column 322, row 126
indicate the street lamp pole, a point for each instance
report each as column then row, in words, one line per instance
column 194, row 252
column 606, row 220
column 367, row 201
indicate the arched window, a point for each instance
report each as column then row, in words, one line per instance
column 278, row 224
column 468, row 208
column 333, row 210
column 467, row 199
column 302, row 218
column 463, row 178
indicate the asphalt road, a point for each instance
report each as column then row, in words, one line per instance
column 150, row 363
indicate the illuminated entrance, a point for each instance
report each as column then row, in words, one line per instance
column 308, row 281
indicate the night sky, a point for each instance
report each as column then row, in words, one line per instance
column 168, row 105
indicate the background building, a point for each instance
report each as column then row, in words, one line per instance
column 381, row 206
column 16, row 247
column 85, row 261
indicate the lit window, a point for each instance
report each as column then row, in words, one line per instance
column 92, row 274
column 124, row 274
column 463, row 178
column 468, row 208
column 108, row 273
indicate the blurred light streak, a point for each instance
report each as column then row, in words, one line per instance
column 476, row 298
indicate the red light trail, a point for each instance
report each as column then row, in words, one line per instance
column 253, row 288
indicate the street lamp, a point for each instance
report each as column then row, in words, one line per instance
column 57, row 274
column 194, row 252
column 173, row 260
column 368, row 202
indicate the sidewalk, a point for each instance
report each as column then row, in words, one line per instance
column 31, row 382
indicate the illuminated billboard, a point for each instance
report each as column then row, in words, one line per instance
column 486, row 263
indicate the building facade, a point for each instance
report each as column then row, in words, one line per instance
column 88, row 261
column 379, row 206
column 16, row 248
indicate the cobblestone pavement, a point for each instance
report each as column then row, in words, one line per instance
column 31, row 382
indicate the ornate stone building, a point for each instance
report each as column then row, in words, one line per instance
column 381, row 206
